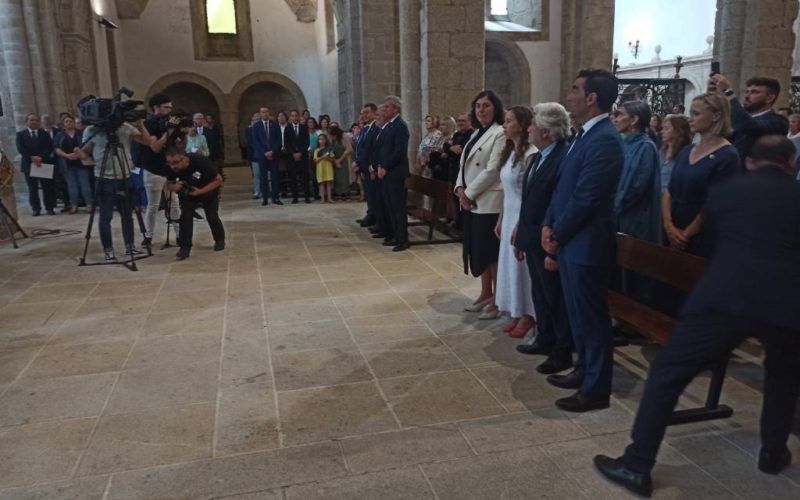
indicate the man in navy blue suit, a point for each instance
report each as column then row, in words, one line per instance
column 365, row 139
column 392, row 170
column 578, row 231
column 266, row 147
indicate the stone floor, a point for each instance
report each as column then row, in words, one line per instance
column 306, row 362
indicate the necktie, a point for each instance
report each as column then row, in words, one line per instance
column 296, row 130
column 33, row 134
column 266, row 127
column 576, row 139
column 535, row 167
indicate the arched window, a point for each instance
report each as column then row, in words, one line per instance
column 221, row 17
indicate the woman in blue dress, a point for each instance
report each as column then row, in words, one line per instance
column 697, row 168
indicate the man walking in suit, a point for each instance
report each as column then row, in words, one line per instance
column 36, row 147
column 392, row 170
column 267, row 147
column 297, row 143
column 361, row 160
column 579, row 231
column 548, row 132
column 749, row 289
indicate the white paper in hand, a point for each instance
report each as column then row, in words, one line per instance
column 43, row 171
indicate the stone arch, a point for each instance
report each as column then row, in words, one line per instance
column 507, row 71
column 267, row 77
column 188, row 77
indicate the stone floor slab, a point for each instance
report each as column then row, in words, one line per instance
column 410, row 357
column 88, row 488
column 63, row 360
column 322, row 367
column 311, row 335
column 398, row 484
column 519, row 430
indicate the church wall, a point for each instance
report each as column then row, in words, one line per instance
column 544, row 59
column 160, row 42
column 329, row 70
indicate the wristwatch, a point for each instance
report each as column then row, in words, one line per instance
column 728, row 92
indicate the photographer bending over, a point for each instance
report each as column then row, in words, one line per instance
column 197, row 182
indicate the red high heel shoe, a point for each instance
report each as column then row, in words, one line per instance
column 510, row 326
column 518, row 333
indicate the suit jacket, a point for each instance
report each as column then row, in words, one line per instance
column 754, row 223
column 363, row 145
column 581, row 211
column 747, row 129
column 214, row 139
column 298, row 143
column 27, row 147
column 260, row 145
column 392, row 149
column 536, row 194
column 479, row 173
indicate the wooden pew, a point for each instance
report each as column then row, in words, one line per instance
column 440, row 194
column 680, row 270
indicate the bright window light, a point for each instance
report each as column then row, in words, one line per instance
column 221, row 16
column 499, row 7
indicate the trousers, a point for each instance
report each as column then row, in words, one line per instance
column 552, row 321
column 48, row 190
column 210, row 202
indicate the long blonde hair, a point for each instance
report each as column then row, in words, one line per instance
column 717, row 103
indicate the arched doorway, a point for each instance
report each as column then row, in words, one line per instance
column 192, row 98
column 506, row 71
column 271, row 94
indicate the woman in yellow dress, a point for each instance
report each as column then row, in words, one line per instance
column 323, row 157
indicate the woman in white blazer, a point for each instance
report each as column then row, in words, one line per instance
column 480, row 196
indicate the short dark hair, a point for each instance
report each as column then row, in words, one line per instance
column 312, row 119
column 158, row 99
column 603, row 83
column 681, row 107
column 371, row 105
column 641, row 110
column 499, row 112
column 293, row 111
column 773, row 85
column 282, row 113
column 774, row 149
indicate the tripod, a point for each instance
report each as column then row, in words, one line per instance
column 115, row 151
column 10, row 224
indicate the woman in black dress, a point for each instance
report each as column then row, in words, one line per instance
column 698, row 167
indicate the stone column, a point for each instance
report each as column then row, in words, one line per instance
column 587, row 37
column 229, row 120
column 453, row 50
column 14, row 43
column 410, row 90
column 756, row 38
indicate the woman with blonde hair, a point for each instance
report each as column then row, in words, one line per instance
column 697, row 168
column 431, row 143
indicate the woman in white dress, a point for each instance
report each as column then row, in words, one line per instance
column 514, row 294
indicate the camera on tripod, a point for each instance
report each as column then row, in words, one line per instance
column 110, row 113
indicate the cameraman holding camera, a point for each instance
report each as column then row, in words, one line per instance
column 197, row 181
column 112, row 184
column 153, row 160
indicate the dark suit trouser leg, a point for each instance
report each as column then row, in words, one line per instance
column 381, row 201
column 186, row 231
column 396, row 198
column 312, row 177
column 551, row 315
column 211, row 209
column 697, row 343
column 49, row 193
column 781, row 386
column 33, row 192
column 367, row 183
column 586, row 298
column 301, row 170
column 294, row 177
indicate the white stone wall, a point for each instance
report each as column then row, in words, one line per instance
column 544, row 60
column 160, row 43
column 328, row 102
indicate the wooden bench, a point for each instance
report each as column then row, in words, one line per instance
column 680, row 270
column 440, row 194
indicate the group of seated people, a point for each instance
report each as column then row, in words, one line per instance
column 542, row 193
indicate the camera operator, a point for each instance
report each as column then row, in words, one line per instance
column 197, row 181
column 153, row 161
column 112, row 183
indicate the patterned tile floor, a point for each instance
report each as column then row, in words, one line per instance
column 306, row 362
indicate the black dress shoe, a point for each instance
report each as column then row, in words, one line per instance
column 183, row 253
column 308, row 200
column 50, row 212
column 277, row 202
column 774, row 462
column 553, row 365
column 374, row 229
column 401, row 247
column 360, row 221
column 535, row 348
column 219, row 246
column 571, row 380
column 379, row 235
column 264, row 202
column 389, row 242
column 580, row 403
column 37, row 213
column 295, row 201
column 615, row 471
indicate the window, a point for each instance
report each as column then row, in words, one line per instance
column 221, row 17
column 499, row 7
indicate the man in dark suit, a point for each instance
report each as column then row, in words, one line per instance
column 548, row 132
column 369, row 132
column 383, row 227
column 755, row 118
column 749, row 289
column 578, row 229
column 213, row 135
column 392, row 170
column 254, row 160
column 297, row 144
column 36, row 147
column 267, row 147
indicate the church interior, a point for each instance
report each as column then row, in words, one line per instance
column 306, row 360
